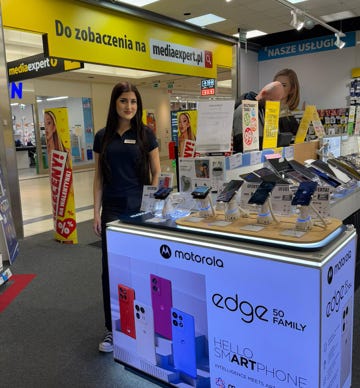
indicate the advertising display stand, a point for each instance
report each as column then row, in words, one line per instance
column 194, row 307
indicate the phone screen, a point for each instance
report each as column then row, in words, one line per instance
column 304, row 193
column 261, row 194
column 326, row 178
column 162, row 193
column 229, row 190
column 201, row 192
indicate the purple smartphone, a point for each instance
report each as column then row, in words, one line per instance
column 161, row 299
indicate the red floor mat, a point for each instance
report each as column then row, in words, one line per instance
column 17, row 284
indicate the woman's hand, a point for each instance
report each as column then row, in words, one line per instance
column 97, row 225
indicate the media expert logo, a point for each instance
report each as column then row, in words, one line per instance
column 166, row 253
column 333, row 270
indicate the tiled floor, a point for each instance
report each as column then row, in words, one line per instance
column 36, row 200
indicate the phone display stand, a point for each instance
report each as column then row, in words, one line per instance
column 206, row 208
column 233, row 211
column 167, row 207
column 158, row 207
column 304, row 221
column 266, row 215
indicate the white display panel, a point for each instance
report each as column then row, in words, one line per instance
column 254, row 320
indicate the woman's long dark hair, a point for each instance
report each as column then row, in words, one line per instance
column 136, row 124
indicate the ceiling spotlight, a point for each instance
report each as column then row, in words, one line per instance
column 309, row 24
column 296, row 22
column 339, row 43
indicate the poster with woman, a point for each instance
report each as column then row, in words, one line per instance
column 187, row 127
column 57, row 135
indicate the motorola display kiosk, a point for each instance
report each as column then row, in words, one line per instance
column 208, row 304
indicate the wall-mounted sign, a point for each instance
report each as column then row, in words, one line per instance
column 38, row 66
column 307, row 46
column 93, row 34
column 208, row 87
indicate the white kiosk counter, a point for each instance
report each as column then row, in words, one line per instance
column 193, row 309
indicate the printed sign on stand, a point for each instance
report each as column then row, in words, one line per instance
column 9, row 245
column 61, row 174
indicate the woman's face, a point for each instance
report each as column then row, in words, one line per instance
column 285, row 81
column 49, row 125
column 183, row 123
column 126, row 105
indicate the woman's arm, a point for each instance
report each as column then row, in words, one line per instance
column 97, row 191
column 155, row 167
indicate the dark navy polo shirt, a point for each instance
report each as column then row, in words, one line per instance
column 123, row 155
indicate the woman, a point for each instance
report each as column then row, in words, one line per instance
column 290, row 100
column 185, row 132
column 52, row 138
column 126, row 152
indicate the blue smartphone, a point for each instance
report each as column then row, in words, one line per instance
column 162, row 193
column 184, row 347
column 200, row 192
column 304, row 193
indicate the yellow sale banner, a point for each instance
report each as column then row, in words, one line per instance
column 61, row 175
column 304, row 124
column 271, row 125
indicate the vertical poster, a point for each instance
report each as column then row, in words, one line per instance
column 271, row 125
column 89, row 127
column 187, row 128
column 304, row 124
column 250, row 124
column 61, row 175
column 9, row 246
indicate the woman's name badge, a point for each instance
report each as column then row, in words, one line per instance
column 129, row 141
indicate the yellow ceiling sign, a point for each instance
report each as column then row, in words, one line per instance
column 83, row 32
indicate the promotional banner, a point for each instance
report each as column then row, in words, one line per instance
column 271, row 124
column 89, row 127
column 337, row 318
column 9, row 246
column 304, row 124
column 57, row 134
column 94, row 34
column 195, row 316
column 250, row 124
column 187, row 129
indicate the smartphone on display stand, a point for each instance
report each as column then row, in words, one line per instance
column 229, row 190
column 261, row 194
column 162, row 193
column 334, row 182
column 297, row 166
column 304, row 193
column 201, row 192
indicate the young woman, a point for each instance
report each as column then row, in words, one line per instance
column 53, row 141
column 185, row 131
column 126, row 159
column 290, row 100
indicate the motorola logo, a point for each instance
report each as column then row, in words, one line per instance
column 165, row 251
column 330, row 275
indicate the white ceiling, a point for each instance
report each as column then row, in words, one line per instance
column 269, row 16
column 266, row 15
